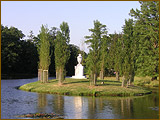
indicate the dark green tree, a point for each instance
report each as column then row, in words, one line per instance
column 28, row 58
column 52, row 38
column 147, row 30
column 31, row 36
column 62, row 52
column 19, row 57
column 72, row 62
column 128, row 52
column 115, row 51
column 94, row 41
column 10, row 46
column 104, row 49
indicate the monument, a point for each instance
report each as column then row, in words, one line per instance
column 79, row 69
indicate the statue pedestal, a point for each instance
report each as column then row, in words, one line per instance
column 79, row 72
column 79, row 69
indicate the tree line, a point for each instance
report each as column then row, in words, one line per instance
column 21, row 56
column 134, row 52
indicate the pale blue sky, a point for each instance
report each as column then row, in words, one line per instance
column 30, row 15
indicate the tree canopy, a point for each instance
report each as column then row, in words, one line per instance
column 147, row 30
column 62, row 52
column 95, row 44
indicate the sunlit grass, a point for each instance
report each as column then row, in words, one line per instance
column 82, row 87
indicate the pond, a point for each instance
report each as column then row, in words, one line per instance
column 16, row 102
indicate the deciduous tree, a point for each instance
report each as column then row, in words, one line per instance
column 44, row 49
column 62, row 52
column 95, row 41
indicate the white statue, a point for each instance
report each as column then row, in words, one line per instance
column 79, row 59
column 79, row 69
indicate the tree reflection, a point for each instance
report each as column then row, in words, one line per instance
column 122, row 107
column 42, row 102
column 78, row 107
column 58, row 104
column 91, row 107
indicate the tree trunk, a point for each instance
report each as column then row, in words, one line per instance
column 57, row 73
column 61, row 77
column 123, row 81
column 95, row 78
column 45, row 76
column 40, row 75
column 131, row 79
column 117, row 76
column 102, row 75
column 91, row 79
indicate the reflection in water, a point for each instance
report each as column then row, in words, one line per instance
column 16, row 102
column 135, row 107
column 78, row 106
column 42, row 102
column 58, row 104
column 121, row 106
column 91, row 107
column 99, row 108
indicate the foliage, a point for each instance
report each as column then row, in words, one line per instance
column 104, row 50
column 44, row 49
column 147, row 28
column 128, row 50
column 95, row 41
column 18, row 56
column 133, row 52
column 115, row 54
column 72, row 62
column 61, row 51
column 52, row 38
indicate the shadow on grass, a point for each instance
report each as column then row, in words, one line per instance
column 108, row 84
column 108, row 81
column 72, row 82
column 52, row 81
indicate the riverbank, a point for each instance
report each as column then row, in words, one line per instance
column 81, row 87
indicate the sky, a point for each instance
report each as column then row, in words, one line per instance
column 30, row 15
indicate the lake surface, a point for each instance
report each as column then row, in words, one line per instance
column 16, row 102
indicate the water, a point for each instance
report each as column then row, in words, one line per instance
column 16, row 102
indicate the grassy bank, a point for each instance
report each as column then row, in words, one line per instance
column 146, row 81
column 81, row 87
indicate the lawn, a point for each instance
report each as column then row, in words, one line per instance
column 81, row 87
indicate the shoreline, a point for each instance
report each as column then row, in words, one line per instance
column 81, row 87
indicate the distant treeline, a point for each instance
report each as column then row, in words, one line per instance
column 134, row 52
column 20, row 56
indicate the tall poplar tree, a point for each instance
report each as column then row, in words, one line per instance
column 44, row 49
column 62, row 52
column 147, row 29
column 44, row 52
column 94, row 41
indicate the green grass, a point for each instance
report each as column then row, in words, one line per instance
column 81, row 87
column 146, row 81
